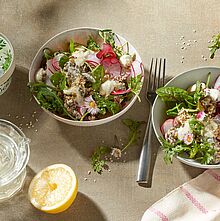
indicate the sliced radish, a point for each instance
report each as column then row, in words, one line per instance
column 91, row 57
column 118, row 92
column 106, row 51
column 112, row 66
column 169, row 123
column 137, row 68
column 217, row 83
column 52, row 66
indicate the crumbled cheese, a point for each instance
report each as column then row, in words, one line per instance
column 126, row 60
column 193, row 87
column 107, row 87
column 210, row 128
column 213, row 93
column 182, row 131
column 80, row 57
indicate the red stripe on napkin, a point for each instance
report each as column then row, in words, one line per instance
column 213, row 174
column 162, row 216
column 194, row 201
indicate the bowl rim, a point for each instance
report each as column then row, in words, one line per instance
column 92, row 122
column 182, row 159
column 6, row 122
column 11, row 67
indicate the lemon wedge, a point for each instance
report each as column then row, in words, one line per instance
column 53, row 189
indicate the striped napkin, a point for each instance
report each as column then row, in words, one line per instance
column 196, row 200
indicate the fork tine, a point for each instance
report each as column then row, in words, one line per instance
column 155, row 76
column 159, row 71
column 150, row 75
column 164, row 66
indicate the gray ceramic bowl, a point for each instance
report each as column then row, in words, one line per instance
column 60, row 42
column 183, row 80
column 7, row 63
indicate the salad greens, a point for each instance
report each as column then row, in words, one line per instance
column 215, row 45
column 193, row 130
column 91, row 81
column 98, row 157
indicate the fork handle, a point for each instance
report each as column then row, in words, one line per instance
column 145, row 156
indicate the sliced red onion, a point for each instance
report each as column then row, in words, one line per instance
column 112, row 66
column 52, row 66
column 217, row 83
column 169, row 123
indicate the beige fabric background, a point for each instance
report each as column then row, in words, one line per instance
column 154, row 28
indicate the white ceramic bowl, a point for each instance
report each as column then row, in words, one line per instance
column 7, row 63
column 61, row 42
column 183, row 80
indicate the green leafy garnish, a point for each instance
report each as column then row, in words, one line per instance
column 7, row 62
column 98, row 162
column 215, row 45
column 72, row 46
column 58, row 79
column 98, row 74
column 196, row 126
column 97, row 159
column 134, row 131
column 175, row 110
column 135, row 84
column 174, row 94
column 48, row 99
column 106, row 103
column 47, row 53
column 2, row 43
column 63, row 60
column 92, row 45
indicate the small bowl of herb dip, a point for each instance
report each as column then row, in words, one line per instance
column 7, row 64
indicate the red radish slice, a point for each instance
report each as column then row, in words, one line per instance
column 121, row 92
column 169, row 123
column 136, row 68
column 52, row 66
column 112, row 66
column 217, row 83
column 106, row 51
column 93, row 58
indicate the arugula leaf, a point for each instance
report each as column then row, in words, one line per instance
column 174, row 94
column 175, row 110
column 97, row 158
column 72, row 46
column 134, row 131
column 2, row 43
column 98, row 74
column 108, row 36
column 58, row 79
column 48, row 99
column 47, row 53
column 215, row 45
column 108, row 103
column 196, row 126
column 205, row 153
column 171, row 150
column 198, row 93
column 63, row 61
column 135, row 84
column 7, row 62
column 92, row 45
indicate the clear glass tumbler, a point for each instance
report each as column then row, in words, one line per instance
column 14, row 156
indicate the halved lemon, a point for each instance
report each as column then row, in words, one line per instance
column 53, row 189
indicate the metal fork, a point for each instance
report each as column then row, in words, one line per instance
column 156, row 79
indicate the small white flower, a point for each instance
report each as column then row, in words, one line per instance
column 91, row 105
column 188, row 138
